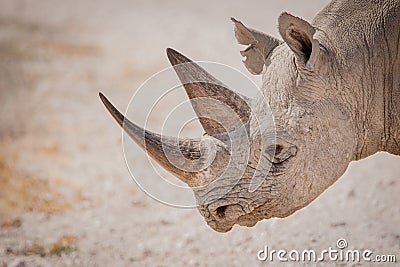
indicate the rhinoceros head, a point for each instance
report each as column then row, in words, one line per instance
column 312, row 141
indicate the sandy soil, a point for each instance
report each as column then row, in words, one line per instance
column 66, row 196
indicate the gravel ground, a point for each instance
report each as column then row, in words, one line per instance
column 66, row 196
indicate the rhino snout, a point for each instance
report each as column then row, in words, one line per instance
column 221, row 216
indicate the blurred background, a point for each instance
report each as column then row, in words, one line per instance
column 66, row 196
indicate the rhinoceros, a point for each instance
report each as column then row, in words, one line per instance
column 333, row 86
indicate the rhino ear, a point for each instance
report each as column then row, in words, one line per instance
column 298, row 35
column 260, row 46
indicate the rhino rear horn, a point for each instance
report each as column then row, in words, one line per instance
column 210, row 98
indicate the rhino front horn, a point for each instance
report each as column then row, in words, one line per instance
column 182, row 157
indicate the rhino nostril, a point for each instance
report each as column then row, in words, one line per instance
column 220, row 211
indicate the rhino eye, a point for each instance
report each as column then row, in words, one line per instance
column 280, row 152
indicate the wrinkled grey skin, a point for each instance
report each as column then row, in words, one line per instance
column 334, row 89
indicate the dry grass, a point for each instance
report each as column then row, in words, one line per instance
column 12, row 223
column 63, row 245
column 49, row 149
column 21, row 192
column 69, row 49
